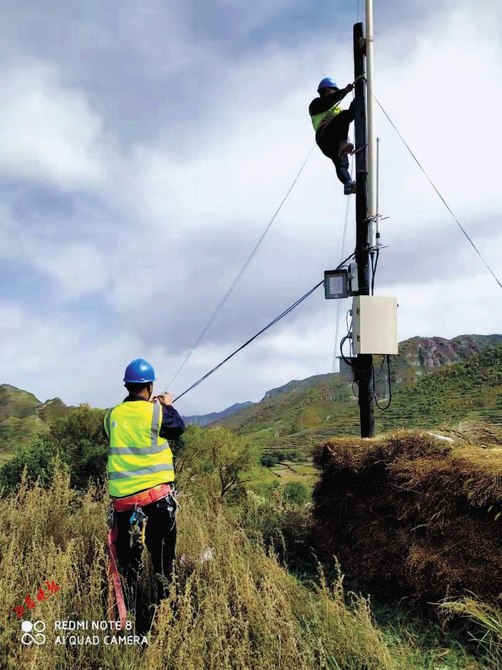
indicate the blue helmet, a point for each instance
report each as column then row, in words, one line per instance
column 139, row 371
column 326, row 83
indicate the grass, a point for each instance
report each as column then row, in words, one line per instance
column 242, row 609
column 487, row 621
column 417, row 516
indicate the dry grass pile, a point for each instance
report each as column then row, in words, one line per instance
column 415, row 515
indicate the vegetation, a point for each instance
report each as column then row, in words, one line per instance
column 249, row 591
column 296, row 416
column 468, row 390
column 240, row 609
column 23, row 417
column 416, row 516
column 214, row 460
column 76, row 441
column 234, row 607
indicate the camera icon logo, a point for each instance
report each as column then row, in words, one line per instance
column 27, row 627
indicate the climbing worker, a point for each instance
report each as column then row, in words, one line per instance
column 331, row 125
column 141, row 478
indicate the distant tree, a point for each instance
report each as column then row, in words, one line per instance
column 216, row 457
column 268, row 461
column 77, row 440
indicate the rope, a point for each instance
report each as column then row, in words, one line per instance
column 244, row 268
column 439, row 194
column 287, row 311
column 272, row 323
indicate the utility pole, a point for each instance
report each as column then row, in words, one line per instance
column 363, row 362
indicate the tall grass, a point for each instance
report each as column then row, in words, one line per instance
column 239, row 609
column 232, row 604
column 486, row 620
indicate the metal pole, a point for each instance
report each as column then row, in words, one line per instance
column 372, row 209
column 363, row 362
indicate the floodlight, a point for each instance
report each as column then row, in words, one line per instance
column 336, row 284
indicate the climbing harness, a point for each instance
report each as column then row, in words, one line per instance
column 141, row 499
column 137, row 528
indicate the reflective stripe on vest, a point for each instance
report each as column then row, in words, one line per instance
column 139, row 458
column 324, row 118
column 165, row 467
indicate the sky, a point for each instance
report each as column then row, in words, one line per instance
column 145, row 146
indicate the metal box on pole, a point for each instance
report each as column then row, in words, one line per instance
column 374, row 325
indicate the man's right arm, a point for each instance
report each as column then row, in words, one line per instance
column 320, row 105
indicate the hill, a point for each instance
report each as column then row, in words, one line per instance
column 325, row 404
column 23, row 416
column 320, row 405
column 205, row 419
column 470, row 389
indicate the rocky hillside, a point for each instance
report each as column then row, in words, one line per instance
column 425, row 354
column 23, row 416
column 325, row 404
column 320, row 405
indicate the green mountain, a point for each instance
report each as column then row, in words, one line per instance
column 433, row 380
column 23, row 416
column 468, row 390
column 325, row 405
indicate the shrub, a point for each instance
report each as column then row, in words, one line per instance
column 268, row 461
column 286, row 455
column 296, row 492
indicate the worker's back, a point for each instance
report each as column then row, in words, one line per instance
column 139, row 458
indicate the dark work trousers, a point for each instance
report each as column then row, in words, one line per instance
column 160, row 540
column 331, row 137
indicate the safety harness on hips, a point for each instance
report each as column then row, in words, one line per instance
column 137, row 528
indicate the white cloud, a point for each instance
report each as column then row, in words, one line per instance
column 442, row 101
column 48, row 132
column 180, row 216
column 55, row 356
column 79, row 268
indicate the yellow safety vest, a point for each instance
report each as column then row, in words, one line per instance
column 139, row 458
column 324, row 118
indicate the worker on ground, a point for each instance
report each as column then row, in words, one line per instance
column 331, row 125
column 141, row 478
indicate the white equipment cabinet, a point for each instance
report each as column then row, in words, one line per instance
column 374, row 325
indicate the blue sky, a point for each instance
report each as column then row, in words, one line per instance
column 145, row 147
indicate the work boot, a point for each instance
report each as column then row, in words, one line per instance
column 346, row 148
column 349, row 188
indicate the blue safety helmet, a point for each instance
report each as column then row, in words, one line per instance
column 139, row 371
column 326, row 83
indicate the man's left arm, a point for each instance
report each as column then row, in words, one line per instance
column 173, row 425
